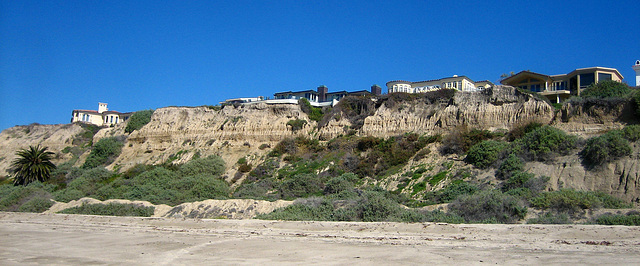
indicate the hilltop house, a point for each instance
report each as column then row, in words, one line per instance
column 558, row 88
column 318, row 98
column 102, row 117
column 461, row 83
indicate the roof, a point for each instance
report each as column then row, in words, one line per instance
column 295, row 92
column 586, row 69
column 506, row 80
column 86, row 111
column 431, row 80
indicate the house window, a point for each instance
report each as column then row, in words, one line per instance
column 603, row 77
column 535, row 88
column 587, row 79
column 116, row 119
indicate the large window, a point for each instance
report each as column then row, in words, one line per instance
column 603, row 77
column 587, row 79
column 536, row 88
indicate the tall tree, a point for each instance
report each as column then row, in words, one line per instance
column 33, row 164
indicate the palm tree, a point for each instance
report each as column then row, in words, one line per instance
column 32, row 165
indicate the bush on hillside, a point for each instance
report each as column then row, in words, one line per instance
column 104, row 152
column 485, row 153
column 460, row 140
column 575, row 202
column 490, row 206
column 314, row 113
column 370, row 206
column 452, row 191
column 212, row 165
column 606, row 148
column 631, row 133
column 518, row 131
column 509, row 166
column 618, row 219
column 341, row 183
column 300, row 186
column 138, row 120
column 34, row 197
column 296, row 124
column 543, row 142
column 606, row 89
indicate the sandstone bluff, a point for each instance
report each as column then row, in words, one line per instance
column 250, row 131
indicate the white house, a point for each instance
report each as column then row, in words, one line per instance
column 461, row 83
column 101, row 117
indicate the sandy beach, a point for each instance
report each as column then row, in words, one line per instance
column 29, row 238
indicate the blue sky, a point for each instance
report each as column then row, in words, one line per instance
column 56, row 56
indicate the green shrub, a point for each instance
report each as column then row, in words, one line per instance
column 617, row 219
column 104, row 152
column 312, row 209
column 509, row 166
column 201, row 187
column 314, row 113
column 138, row 120
column 541, row 143
column 460, row 140
column 517, row 180
column 340, row 183
column 575, row 202
column 34, row 197
column 518, row 131
column 36, row 204
column 211, row 165
column 606, row 89
column 370, row 206
column 485, row 153
column 605, row 148
column 296, row 124
column 453, row 190
column 631, row 132
column 489, row 206
column 256, row 190
column 300, row 185
column 112, row 209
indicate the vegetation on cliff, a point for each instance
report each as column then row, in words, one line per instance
column 138, row 120
column 481, row 174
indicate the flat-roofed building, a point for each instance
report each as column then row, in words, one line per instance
column 558, row 88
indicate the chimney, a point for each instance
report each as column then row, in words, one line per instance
column 322, row 93
column 102, row 107
column 376, row 90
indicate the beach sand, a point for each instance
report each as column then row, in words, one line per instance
column 28, row 238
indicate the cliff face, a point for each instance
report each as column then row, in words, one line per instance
column 180, row 133
column 498, row 108
column 177, row 134
column 620, row 178
column 54, row 137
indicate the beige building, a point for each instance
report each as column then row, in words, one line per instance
column 558, row 88
column 461, row 83
column 101, row 117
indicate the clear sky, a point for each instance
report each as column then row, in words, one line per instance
column 56, row 56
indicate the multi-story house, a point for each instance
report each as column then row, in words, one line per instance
column 101, row 117
column 461, row 83
column 558, row 88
